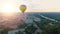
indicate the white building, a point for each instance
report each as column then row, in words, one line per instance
column 16, row 31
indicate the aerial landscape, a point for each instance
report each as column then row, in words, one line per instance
column 35, row 23
column 29, row 16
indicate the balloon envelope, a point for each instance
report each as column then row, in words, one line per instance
column 23, row 8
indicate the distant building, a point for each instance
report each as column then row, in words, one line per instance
column 37, row 19
column 16, row 31
column 29, row 19
column 50, row 24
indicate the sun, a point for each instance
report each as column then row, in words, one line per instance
column 8, row 8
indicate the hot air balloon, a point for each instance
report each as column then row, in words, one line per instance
column 23, row 8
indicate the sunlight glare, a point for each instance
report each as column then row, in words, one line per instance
column 7, row 8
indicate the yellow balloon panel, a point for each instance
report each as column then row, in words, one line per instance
column 23, row 8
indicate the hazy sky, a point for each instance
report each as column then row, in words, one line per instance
column 33, row 5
